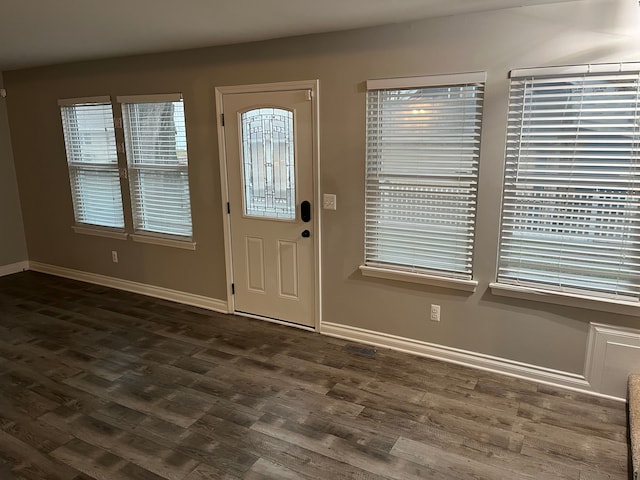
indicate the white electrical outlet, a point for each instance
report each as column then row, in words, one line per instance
column 329, row 201
column 114, row 256
column 435, row 313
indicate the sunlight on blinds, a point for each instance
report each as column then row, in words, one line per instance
column 156, row 143
column 93, row 164
column 570, row 217
column 421, row 179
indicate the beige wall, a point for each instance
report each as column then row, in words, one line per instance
column 13, row 248
column 530, row 332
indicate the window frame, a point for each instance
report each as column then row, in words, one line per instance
column 74, row 166
column 140, row 234
column 569, row 295
column 403, row 271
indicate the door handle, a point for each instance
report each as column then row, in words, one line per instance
column 305, row 211
column 306, row 233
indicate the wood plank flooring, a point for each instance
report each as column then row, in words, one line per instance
column 97, row 383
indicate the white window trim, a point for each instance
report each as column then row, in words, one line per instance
column 426, row 81
column 121, row 234
column 559, row 297
column 100, row 232
column 82, row 227
column 575, row 69
column 421, row 278
column 588, row 302
column 156, row 98
column 65, row 102
column 424, row 278
column 164, row 241
column 141, row 235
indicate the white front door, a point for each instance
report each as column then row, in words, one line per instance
column 268, row 138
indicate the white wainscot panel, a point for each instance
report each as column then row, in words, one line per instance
column 613, row 353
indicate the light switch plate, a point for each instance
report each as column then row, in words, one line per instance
column 329, row 201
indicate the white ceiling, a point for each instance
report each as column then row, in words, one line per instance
column 41, row 32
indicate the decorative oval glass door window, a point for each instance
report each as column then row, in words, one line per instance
column 268, row 163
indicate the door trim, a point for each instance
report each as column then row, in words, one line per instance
column 313, row 86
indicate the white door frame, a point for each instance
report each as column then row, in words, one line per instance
column 311, row 85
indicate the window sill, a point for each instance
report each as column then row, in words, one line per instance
column 567, row 299
column 425, row 279
column 165, row 242
column 99, row 232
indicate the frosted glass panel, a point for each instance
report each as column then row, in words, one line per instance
column 268, row 164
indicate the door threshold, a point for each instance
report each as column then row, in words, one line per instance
column 275, row 320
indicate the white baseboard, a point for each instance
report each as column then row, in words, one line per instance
column 13, row 268
column 158, row 292
column 480, row 361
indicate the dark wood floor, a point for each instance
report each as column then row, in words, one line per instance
column 98, row 383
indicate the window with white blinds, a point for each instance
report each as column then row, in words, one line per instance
column 571, row 200
column 423, row 144
column 156, row 146
column 93, row 161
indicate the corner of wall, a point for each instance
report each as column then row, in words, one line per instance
column 13, row 245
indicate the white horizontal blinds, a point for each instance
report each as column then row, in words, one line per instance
column 571, row 207
column 93, row 163
column 421, row 179
column 156, row 144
